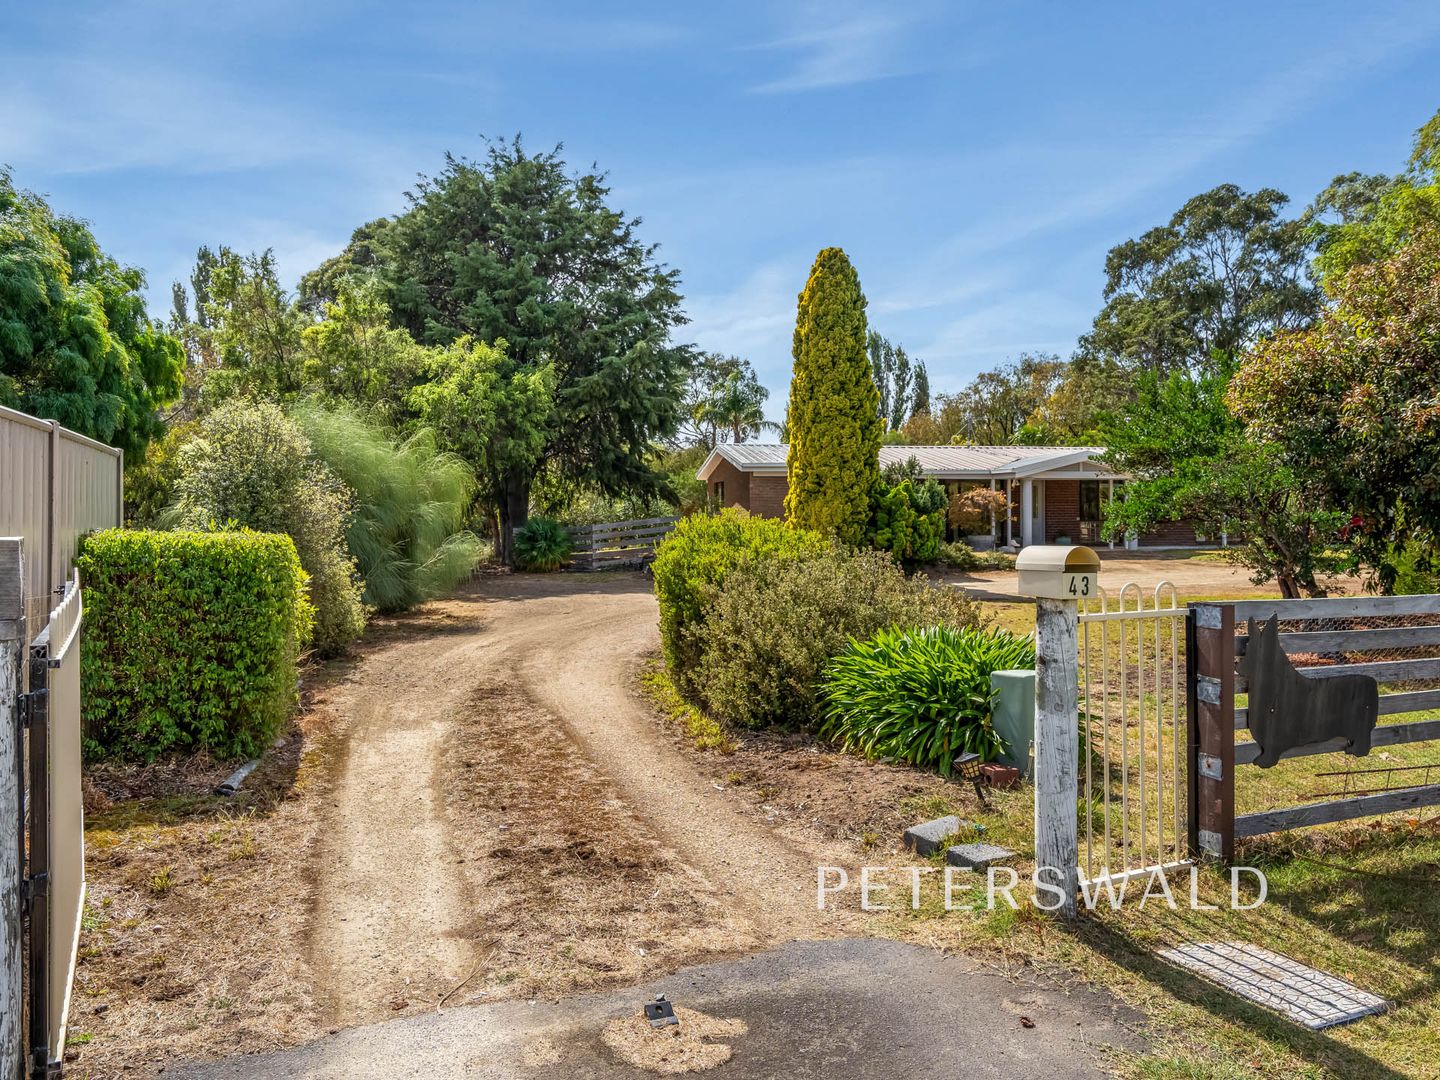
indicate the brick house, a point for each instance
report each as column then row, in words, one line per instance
column 1054, row 491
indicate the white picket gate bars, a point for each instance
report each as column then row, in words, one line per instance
column 1133, row 797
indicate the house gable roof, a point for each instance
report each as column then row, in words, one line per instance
column 940, row 462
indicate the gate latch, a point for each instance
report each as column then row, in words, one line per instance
column 660, row 1012
column 28, row 705
column 34, row 886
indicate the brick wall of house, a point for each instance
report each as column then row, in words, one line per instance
column 737, row 485
column 1172, row 532
column 767, row 496
column 1062, row 510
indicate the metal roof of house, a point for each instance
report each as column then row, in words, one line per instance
column 943, row 462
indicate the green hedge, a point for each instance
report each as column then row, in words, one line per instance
column 190, row 640
column 691, row 564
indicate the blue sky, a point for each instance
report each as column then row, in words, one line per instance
column 975, row 160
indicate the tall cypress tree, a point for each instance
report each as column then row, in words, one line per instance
column 834, row 413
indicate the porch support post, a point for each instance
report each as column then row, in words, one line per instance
column 994, row 517
column 1009, row 513
column 1111, row 482
column 1027, row 512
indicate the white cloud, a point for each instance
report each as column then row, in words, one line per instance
column 855, row 50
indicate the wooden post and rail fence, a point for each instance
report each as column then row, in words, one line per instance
column 617, row 544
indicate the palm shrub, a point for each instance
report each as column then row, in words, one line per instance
column 692, row 563
column 411, row 501
column 542, row 544
column 920, row 695
column 776, row 624
column 250, row 466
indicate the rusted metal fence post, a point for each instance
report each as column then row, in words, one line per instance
column 12, row 957
column 1212, row 677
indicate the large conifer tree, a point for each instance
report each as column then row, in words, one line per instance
column 833, row 417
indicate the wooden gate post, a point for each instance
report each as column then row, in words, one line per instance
column 12, row 957
column 1057, row 748
column 1212, row 691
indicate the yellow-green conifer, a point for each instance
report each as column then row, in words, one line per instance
column 833, row 417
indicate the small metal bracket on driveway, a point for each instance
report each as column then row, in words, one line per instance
column 660, row 1012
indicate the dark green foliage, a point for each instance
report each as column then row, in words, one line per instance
column 1187, row 457
column 1225, row 271
column 252, row 466
column 190, row 640
column 542, row 545
column 515, row 248
column 76, row 344
column 411, row 501
column 905, row 526
column 920, row 695
column 692, row 563
column 833, row 419
column 776, row 623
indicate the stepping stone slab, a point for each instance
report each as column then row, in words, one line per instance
column 930, row 837
column 977, row 856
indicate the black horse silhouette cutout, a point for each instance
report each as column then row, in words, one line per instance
column 1288, row 709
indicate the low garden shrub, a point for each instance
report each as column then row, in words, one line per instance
column 920, row 695
column 775, row 625
column 957, row 556
column 542, row 545
column 251, row 466
column 692, row 563
column 190, row 641
column 411, row 500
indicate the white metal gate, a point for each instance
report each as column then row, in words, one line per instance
column 1133, row 797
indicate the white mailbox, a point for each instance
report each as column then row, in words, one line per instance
column 1058, row 573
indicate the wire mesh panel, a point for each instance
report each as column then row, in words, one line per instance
column 1133, row 796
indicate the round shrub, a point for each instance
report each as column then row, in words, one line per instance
column 190, row 640
column 920, row 695
column 250, row 465
column 693, row 561
column 542, row 545
column 775, row 625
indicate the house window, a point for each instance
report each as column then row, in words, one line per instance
column 1090, row 500
column 720, row 492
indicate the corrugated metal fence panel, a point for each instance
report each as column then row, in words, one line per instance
column 24, row 502
column 87, row 496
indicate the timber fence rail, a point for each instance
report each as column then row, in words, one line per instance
column 617, row 543
column 1394, row 640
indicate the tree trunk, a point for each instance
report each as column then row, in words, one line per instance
column 514, row 512
column 1288, row 587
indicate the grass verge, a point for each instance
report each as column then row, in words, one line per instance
column 704, row 731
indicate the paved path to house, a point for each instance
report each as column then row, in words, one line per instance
column 840, row 1010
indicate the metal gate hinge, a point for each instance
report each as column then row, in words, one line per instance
column 1211, row 767
column 28, row 703
column 34, row 886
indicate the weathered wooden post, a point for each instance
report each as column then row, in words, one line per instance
column 1059, row 578
column 12, row 957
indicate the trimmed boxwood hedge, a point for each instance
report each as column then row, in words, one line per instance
column 190, row 640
